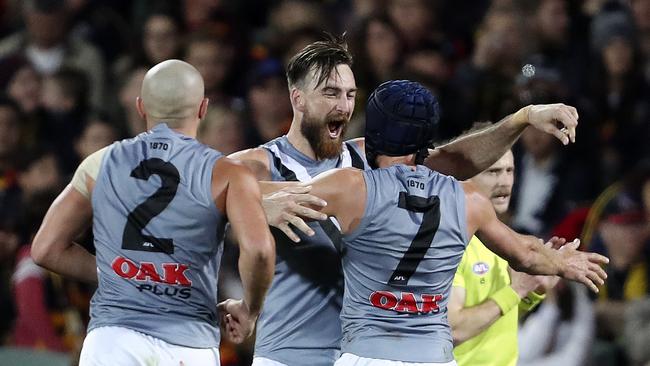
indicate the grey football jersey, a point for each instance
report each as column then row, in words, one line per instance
column 158, row 238
column 299, row 324
column 399, row 264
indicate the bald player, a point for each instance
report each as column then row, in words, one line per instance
column 159, row 204
column 405, row 228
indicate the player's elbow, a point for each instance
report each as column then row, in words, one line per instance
column 41, row 253
column 261, row 252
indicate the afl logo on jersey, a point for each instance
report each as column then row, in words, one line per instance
column 480, row 268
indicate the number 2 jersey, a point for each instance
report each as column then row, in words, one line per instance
column 158, row 237
column 399, row 264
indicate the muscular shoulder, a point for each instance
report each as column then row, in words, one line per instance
column 256, row 159
column 86, row 174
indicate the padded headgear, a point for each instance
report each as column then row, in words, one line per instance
column 401, row 119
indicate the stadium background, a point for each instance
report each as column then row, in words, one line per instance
column 70, row 71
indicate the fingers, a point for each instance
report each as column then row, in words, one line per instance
column 298, row 223
column 572, row 245
column 566, row 116
column 308, row 213
column 308, row 199
column 296, row 189
column 587, row 282
column 598, row 259
column 599, row 271
column 555, row 242
column 560, row 135
column 284, row 227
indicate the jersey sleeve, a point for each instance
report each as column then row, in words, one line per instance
column 89, row 168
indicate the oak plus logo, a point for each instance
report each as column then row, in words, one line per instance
column 171, row 280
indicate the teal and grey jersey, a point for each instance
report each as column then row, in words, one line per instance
column 158, row 237
column 300, row 324
column 399, row 264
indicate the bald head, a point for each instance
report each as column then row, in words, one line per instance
column 172, row 92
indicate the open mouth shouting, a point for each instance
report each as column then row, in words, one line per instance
column 335, row 128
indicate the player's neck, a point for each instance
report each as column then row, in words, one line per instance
column 299, row 141
column 187, row 129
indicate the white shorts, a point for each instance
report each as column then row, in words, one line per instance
column 348, row 359
column 261, row 361
column 117, row 346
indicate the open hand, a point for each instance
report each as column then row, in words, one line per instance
column 291, row 205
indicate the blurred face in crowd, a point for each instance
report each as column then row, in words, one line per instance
column 290, row 15
column 327, row 110
column 221, row 130
column 269, row 97
column 412, row 17
column 9, row 131
column 212, row 59
column 128, row 94
column 53, row 98
column 161, row 39
column 429, row 63
column 96, row 135
column 641, row 13
column 553, row 21
column 382, row 44
column 617, row 56
column 25, row 88
column 496, row 182
column 46, row 29
column 41, row 175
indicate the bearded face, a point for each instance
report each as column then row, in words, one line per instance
column 325, row 135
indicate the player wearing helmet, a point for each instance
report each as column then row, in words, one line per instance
column 405, row 228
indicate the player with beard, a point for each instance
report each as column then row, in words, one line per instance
column 487, row 294
column 300, row 322
column 405, row 228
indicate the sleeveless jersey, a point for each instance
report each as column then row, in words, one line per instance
column 399, row 264
column 299, row 324
column 158, row 238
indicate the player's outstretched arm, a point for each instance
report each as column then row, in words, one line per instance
column 240, row 195
column 471, row 154
column 291, row 205
column 53, row 246
column 527, row 253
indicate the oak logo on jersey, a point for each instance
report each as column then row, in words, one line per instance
column 406, row 302
column 171, row 274
column 480, row 268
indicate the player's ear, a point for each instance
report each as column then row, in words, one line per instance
column 203, row 107
column 297, row 99
column 139, row 105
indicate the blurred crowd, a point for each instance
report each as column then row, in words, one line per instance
column 70, row 71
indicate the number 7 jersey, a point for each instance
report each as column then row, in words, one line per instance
column 158, row 237
column 399, row 264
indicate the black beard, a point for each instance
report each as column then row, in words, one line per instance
column 317, row 134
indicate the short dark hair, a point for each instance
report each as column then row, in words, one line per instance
column 322, row 56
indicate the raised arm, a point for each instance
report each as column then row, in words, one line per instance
column 470, row 154
column 527, row 253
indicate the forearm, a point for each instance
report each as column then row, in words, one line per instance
column 471, row 321
column 73, row 261
column 471, row 154
column 256, row 267
column 536, row 259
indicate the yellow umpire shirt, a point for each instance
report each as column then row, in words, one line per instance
column 485, row 275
